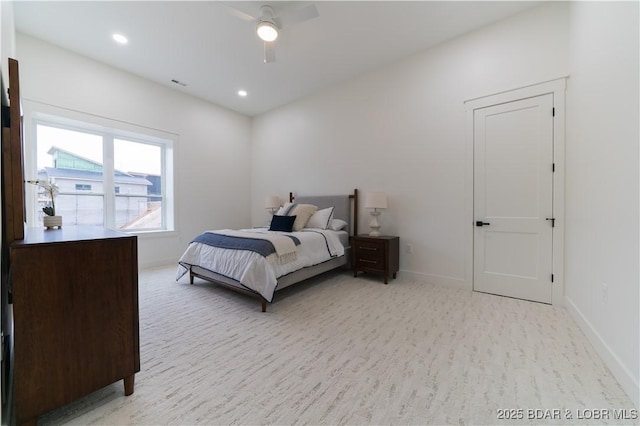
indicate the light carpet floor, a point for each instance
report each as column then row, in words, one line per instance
column 344, row 350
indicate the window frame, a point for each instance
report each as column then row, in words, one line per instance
column 109, row 130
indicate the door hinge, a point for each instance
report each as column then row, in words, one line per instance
column 553, row 112
column 553, row 167
column 551, row 277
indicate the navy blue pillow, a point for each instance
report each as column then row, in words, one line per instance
column 282, row 223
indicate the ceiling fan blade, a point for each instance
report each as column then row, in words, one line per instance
column 237, row 12
column 294, row 16
column 269, row 52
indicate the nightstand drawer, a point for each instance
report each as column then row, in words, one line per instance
column 365, row 263
column 370, row 250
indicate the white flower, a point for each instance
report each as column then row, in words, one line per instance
column 52, row 190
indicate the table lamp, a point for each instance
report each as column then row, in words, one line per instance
column 375, row 201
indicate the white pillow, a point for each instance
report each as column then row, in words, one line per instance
column 302, row 212
column 337, row 224
column 320, row 219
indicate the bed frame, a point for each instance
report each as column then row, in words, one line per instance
column 346, row 208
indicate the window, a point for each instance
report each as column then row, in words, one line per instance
column 110, row 177
column 138, row 203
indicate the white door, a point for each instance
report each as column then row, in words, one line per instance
column 513, row 198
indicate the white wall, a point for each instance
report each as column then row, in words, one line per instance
column 401, row 129
column 213, row 144
column 602, row 192
column 7, row 39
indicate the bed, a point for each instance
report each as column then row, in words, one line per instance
column 255, row 261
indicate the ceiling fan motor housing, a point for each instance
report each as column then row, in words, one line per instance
column 267, row 29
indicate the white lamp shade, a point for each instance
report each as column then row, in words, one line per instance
column 272, row 202
column 375, row 200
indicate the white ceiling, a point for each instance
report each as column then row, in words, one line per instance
column 216, row 53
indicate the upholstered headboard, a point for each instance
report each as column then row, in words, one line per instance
column 346, row 206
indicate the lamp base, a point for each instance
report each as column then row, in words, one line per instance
column 374, row 225
column 272, row 212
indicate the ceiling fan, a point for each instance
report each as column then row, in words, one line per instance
column 269, row 23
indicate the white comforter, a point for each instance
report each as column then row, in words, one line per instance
column 252, row 270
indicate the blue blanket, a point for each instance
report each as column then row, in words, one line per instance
column 263, row 247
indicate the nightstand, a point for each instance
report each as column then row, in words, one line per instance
column 378, row 255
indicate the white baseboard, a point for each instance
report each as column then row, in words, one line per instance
column 620, row 371
column 437, row 279
column 158, row 263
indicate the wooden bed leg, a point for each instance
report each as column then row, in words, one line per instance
column 263, row 303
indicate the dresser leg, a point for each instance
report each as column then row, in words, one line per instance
column 128, row 384
column 386, row 280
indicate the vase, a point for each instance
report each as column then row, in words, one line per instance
column 51, row 222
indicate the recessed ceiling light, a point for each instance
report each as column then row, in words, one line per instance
column 242, row 93
column 120, row 38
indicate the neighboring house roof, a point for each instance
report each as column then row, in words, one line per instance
column 152, row 218
column 72, row 166
column 94, row 176
column 63, row 159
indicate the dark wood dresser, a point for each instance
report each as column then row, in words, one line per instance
column 378, row 255
column 75, row 306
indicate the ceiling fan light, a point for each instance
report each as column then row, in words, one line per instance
column 267, row 31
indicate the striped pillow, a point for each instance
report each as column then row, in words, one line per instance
column 320, row 219
column 302, row 212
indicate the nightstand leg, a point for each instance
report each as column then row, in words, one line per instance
column 355, row 273
column 394, row 275
column 385, row 280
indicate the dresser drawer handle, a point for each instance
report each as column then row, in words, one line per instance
column 368, row 261
column 368, row 248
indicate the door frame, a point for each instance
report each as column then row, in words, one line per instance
column 557, row 88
